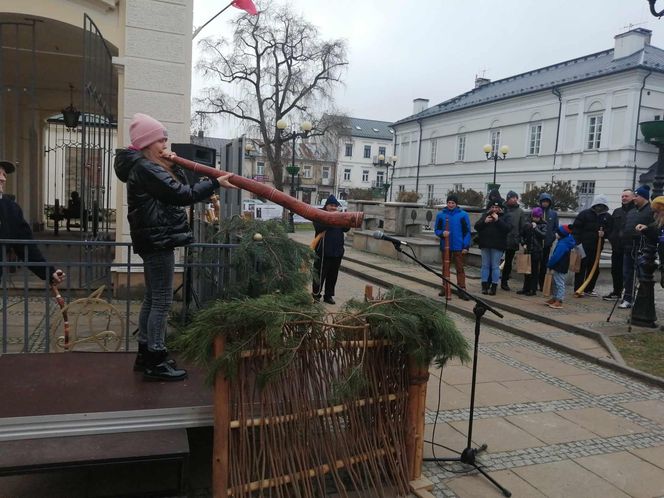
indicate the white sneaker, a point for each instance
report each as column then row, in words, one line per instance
column 591, row 293
column 625, row 305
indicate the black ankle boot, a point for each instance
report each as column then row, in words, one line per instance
column 492, row 290
column 140, row 363
column 485, row 287
column 158, row 369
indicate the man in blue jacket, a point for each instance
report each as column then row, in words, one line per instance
column 14, row 226
column 453, row 222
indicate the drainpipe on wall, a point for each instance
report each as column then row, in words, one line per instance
column 419, row 154
column 394, row 165
column 556, row 92
column 636, row 134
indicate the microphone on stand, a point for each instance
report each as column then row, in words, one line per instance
column 381, row 236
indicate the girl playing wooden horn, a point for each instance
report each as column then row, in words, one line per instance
column 157, row 193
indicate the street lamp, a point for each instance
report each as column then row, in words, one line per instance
column 392, row 161
column 293, row 170
column 491, row 154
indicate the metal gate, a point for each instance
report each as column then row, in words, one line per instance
column 97, row 133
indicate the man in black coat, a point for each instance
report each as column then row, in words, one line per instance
column 14, row 226
column 516, row 219
column 615, row 237
column 641, row 215
column 329, row 253
column 588, row 230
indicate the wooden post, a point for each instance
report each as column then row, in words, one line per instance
column 417, row 395
column 222, row 423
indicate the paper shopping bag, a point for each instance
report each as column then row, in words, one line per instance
column 523, row 263
column 546, row 288
column 574, row 261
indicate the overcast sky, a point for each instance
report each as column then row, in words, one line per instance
column 399, row 50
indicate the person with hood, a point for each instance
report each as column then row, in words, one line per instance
column 492, row 230
column 532, row 237
column 642, row 214
column 516, row 219
column 550, row 217
column 157, row 193
column 559, row 265
column 14, row 226
column 619, row 216
column 329, row 253
column 457, row 222
column 588, row 229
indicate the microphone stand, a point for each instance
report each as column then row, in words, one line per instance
column 469, row 454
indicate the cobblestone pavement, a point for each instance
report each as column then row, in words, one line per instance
column 556, row 424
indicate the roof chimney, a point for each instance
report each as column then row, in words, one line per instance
column 420, row 105
column 631, row 42
column 479, row 81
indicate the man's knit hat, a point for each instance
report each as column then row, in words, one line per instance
column 453, row 198
column 145, row 130
column 332, row 200
column 511, row 195
column 643, row 191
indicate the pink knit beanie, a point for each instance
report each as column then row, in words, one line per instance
column 145, row 130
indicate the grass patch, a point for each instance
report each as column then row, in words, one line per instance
column 644, row 351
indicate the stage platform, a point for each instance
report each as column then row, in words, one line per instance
column 75, row 394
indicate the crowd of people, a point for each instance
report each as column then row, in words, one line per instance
column 504, row 230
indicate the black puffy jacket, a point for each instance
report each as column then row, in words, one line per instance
column 156, row 200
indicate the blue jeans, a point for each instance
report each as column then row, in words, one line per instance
column 491, row 265
column 158, row 269
column 558, row 285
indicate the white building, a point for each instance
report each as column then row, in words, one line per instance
column 576, row 120
column 360, row 143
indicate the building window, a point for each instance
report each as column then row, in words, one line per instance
column 260, row 168
column 429, row 193
column 586, row 187
column 306, row 171
column 594, row 131
column 367, row 151
column 535, row 140
column 349, row 150
column 347, row 174
column 381, row 151
column 326, row 173
column 365, row 175
column 402, row 188
column 528, row 186
column 495, row 141
column 457, row 187
column 461, row 148
column 380, row 179
column 434, row 149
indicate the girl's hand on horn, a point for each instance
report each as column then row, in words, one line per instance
column 223, row 180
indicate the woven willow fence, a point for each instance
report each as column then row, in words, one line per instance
column 343, row 412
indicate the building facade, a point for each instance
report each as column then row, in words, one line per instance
column 361, row 141
column 576, row 120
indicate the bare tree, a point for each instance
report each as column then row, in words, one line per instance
column 278, row 68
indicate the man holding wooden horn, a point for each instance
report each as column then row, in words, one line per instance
column 588, row 230
column 453, row 224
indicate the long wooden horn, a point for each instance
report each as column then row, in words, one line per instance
column 593, row 270
column 311, row 213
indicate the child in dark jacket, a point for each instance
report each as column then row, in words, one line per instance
column 559, row 265
column 532, row 236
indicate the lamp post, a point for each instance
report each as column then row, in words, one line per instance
column 495, row 155
column 293, row 170
column 392, row 161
